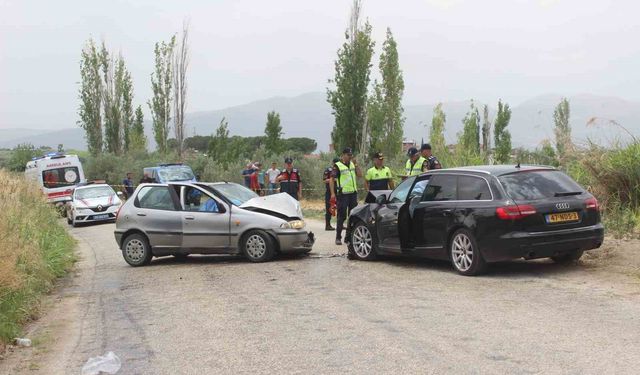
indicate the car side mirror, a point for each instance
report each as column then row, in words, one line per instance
column 381, row 199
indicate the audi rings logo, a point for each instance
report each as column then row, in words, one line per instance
column 562, row 206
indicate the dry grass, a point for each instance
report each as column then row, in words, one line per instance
column 34, row 250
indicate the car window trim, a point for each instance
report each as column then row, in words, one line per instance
column 468, row 175
column 174, row 198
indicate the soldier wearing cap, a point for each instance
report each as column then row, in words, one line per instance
column 430, row 162
column 344, row 176
column 414, row 165
column 289, row 180
column 326, row 177
column 379, row 176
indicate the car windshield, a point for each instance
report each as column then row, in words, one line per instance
column 236, row 194
column 175, row 173
column 95, row 192
column 399, row 195
column 534, row 185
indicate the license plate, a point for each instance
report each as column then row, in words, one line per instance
column 100, row 217
column 562, row 217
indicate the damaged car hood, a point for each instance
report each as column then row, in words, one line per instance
column 281, row 203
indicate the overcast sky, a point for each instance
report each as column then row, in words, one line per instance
column 249, row 50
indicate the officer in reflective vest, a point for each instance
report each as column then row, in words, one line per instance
column 430, row 161
column 290, row 181
column 344, row 175
column 379, row 176
column 414, row 165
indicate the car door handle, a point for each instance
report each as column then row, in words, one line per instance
column 189, row 217
column 140, row 214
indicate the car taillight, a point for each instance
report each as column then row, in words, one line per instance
column 591, row 204
column 515, row 212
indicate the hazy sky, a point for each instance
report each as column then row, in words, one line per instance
column 249, row 50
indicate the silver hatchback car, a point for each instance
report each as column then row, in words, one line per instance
column 209, row 218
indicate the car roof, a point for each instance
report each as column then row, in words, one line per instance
column 496, row 170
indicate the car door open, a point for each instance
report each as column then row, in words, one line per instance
column 434, row 214
column 205, row 221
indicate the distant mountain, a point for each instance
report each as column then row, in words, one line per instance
column 309, row 115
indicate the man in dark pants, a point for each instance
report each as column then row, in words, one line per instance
column 344, row 177
column 290, row 181
column 326, row 177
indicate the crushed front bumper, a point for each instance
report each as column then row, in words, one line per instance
column 299, row 241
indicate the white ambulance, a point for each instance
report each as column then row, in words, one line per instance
column 57, row 174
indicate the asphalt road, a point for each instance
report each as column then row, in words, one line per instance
column 326, row 314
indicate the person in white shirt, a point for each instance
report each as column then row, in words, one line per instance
column 273, row 173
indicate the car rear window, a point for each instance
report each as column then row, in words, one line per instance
column 534, row 185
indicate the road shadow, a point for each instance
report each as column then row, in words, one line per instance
column 222, row 259
column 509, row 270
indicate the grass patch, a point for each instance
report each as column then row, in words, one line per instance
column 313, row 208
column 35, row 249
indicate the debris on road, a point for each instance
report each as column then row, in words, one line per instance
column 109, row 363
column 25, row 343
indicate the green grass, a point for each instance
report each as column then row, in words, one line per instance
column 35, row 249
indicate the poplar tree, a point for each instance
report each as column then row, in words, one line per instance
column 273, row 133
column 352, row 70
column 90, row 94
column 436, row 132
column 562, row 129
column 486, row 132
column 161, row 85
column 219, row 147
column 376, row 122
column 470, row 137
column 502, row 136
column 137, row 138
column 392, row 90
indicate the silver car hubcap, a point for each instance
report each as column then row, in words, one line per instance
column 134, row 250
column 362, row 241
column 462, row 252
column 256, row 246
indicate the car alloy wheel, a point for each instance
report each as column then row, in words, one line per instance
column 362, row 243
column 464, row 253
column 256, row 246
column 135, row 250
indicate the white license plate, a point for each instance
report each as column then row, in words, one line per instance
column 100, row 217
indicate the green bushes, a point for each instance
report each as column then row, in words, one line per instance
column 35, row 249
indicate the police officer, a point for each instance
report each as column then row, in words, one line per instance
column 378, row 177
column 413, row 167
column 326, row 177
column 344, row 177
column 430, row 162
column 290, row 181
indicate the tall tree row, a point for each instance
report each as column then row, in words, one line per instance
column 352, row 77
column 502, row 136
column 486, row 132
column 106, row 100
column 161, row 85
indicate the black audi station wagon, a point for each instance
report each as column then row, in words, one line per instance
column 477, row 215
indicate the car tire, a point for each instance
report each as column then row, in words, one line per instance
column 362, row 244
column 569, row 258
column 465, row 255
column 257, row 246
column 136, row 250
